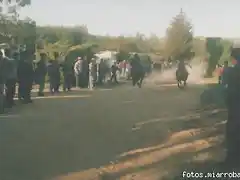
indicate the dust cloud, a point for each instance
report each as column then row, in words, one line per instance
column 168, row 76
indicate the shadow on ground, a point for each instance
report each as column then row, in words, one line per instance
column 194, row 146
column 138, row 133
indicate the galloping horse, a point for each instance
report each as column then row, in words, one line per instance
column 181, row 77
column 182, row 74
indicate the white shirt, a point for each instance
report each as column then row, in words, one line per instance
column 78, row 67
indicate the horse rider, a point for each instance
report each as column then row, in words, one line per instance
column 137, row 71
column 182, row 67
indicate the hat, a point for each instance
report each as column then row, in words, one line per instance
column 79, row 58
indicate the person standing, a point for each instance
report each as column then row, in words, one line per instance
column 51, row 76
column 219, row 73
column 2, row 81
column 101, row 71
column 128, row 71
column 25, row 78
column 67, row 76
column 85, row 72
column 11, row 78
column 233, row 104
column 137, row 71
column 57, row 75
column 124, row 68
column 78, row 71
column 91, row 75
column 95, row 72
column 41, row 72
column 114, row 70
column 57, row 71
column 225, row 72
column 2, row 97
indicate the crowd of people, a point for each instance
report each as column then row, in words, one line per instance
column 16, row 70
column 93, row 73
column 18, row 74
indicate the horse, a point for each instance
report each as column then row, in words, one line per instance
column 181, row 77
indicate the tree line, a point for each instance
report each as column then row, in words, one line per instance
column 179, row 42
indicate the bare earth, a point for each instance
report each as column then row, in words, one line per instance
column 153, row 133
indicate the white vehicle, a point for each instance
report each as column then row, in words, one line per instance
column 108, row 56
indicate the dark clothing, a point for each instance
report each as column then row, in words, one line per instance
column 114, row 78
column 84, row 76
column 233, row 123
column 2, row 75
column 40, row 74
column 102, row 70
column 2, row 98
column 182, row 66
column 137, row 72
column 114, row 69
column 3, row 70
column 10, row 81
column 233, row 90
column 67, row 85
column 58, row 76
column 54, row 77
column 67, row 76
column 94, row 74
column 136, row 66
column 25, row 79
column 10, row 92
column 137, row 78
column 41, row 71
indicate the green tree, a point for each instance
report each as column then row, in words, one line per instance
column 226, row 44
column 10, row 26
column 155, row 44
column 215, row 51
column 179, row 38
column 199, row 47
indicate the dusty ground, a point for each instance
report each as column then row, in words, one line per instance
column 124, row 133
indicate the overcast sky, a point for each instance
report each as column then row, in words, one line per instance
column 127, row 17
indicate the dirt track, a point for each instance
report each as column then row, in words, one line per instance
column 123, row 133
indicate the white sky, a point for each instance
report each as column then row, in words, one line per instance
column 127, row 17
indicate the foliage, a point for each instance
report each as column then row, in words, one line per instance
column 87, row 50
column 64, row 36
column 122, row 55
column 226, row 44
column 12, row 29
column 179, row 38
column 76, row 41
column 215, row 50
column 199, row 47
